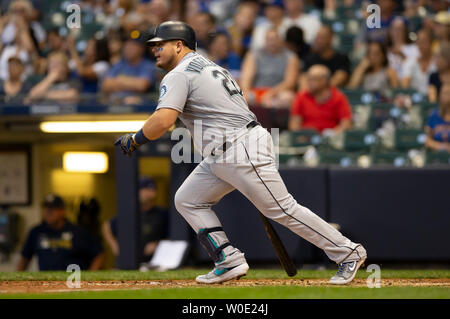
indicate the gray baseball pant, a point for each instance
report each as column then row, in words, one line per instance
column 249, row 166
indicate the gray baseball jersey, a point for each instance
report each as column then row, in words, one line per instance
column 205, row 93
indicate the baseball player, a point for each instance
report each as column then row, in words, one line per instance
column 237, row 154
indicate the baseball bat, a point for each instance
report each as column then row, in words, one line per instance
column 284, row 258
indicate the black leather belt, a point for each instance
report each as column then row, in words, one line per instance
column 252, row 124
column 227, row 145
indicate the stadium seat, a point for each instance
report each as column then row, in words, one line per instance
column 343, row 159
column 302, row 138
column 390, row 158
column 358, row 140
column 359, row 96
column 433, row 157
column 382, row 112
column 345, row 42
column 408, row 139
column 347, row 12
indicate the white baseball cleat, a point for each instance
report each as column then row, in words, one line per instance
column 218, row 275
column 346, row 272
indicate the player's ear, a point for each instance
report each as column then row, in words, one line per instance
column 179, row 46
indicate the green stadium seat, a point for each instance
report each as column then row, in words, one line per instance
column 359, row 96
column 390, row 158
column 289, row 159
column 52, row 6
column 407, row 139
column 343, row 159
column 347, row 12
column 304, row 138
column 382, row 112
column 441, row 158
column 358, row 140
column 403, row 91
column 345, row 41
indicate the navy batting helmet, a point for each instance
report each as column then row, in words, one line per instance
column 175, row 30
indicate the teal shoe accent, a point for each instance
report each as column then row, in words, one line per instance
column 220, row 272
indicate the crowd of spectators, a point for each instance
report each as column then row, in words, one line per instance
column 269, row 46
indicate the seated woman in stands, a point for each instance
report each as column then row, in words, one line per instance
column 438, row 125
column 373, row 72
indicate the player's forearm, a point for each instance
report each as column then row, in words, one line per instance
column 157, row 124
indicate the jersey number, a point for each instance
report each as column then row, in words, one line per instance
column 227, row 82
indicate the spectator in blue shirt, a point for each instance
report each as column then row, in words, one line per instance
column 132, row 76
column 438, row 125
column 219, row 52
column 58, row 243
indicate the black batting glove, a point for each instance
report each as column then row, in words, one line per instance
column 127, row 144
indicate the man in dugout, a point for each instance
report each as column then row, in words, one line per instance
column 58, row 243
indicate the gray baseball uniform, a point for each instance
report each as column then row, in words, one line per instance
column 201, row 90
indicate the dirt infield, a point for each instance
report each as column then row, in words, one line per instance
column 35, row 286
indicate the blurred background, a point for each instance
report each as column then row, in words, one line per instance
column 363, row 114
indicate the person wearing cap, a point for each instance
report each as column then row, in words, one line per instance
column 15, row 87
column 58, row 243
column 133, row 75
column 154, row 222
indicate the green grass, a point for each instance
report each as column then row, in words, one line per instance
column 192, row 273
column 227, row 292
column 268, row 292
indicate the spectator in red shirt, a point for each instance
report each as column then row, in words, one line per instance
column 322, row 106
